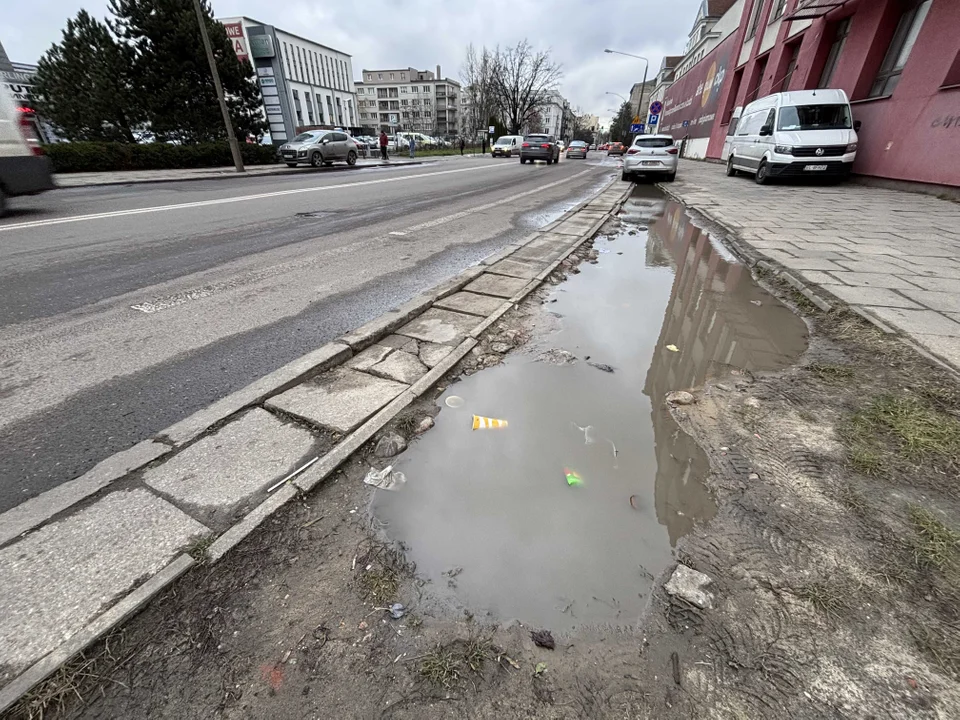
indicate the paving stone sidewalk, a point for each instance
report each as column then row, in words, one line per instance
column 893, row 255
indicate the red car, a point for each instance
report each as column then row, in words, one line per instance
column 615, row 149
column 605, row 146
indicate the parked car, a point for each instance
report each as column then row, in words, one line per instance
column 320, row 147
column 806, row 133
column 593, row 147
column 562, row 145
column 615, row 148
column 604, row 147
column 651, row 155
column 539, row 147
column 577, row 149
column 507, row 146
column 24, row 169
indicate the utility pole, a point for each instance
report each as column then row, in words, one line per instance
column 231, row 137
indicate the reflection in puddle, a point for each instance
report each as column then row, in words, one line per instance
column 498, row 503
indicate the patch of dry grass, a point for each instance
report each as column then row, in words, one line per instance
column 937, row 545
column 442, row 666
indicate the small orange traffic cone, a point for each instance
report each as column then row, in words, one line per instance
column 485, row 422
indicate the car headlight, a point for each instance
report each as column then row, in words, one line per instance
column 783, row 149
column 852, row 147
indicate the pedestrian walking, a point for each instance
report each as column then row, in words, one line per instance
column 462, row 143
column 383, row 145
column 413, row 146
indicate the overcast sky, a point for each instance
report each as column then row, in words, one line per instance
column 424, row 33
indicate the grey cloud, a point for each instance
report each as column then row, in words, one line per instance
column 424, row 33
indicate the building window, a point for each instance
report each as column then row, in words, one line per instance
column 339, row 112
column 296, row 105
column 381, row 92
column 404, row 102
column 426, row 88
column 330, row 108
column 839, row 40
column 779, row 9
column 379, row 76
column 369, row 78
column 286, row 55
column 754, row 22
column 416, row 88
column 791, row 67
column 404, row 90
column 393, row 92
column 403, row 76
column 899, row 51
column 394, row 105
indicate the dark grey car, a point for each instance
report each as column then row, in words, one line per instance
column 320, row 147
column 539, row 147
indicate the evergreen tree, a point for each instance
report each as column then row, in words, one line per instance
column 83, row 84
column 620, row 127
column 172, row 70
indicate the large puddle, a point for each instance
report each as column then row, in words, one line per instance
column 488, row 515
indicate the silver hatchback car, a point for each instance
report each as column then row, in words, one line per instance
column 651, row 155
column 320, row 147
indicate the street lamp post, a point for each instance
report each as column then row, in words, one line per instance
column 643, row 86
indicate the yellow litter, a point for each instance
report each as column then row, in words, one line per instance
column 673, row 348
column 484, row 423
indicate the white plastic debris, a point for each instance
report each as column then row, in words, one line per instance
column 385, row 479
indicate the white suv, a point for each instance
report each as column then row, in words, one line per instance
column 651, row 155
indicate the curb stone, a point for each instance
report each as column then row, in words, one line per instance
column 332, row 354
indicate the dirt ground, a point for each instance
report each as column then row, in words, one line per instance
column 834, row 558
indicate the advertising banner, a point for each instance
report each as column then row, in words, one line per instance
column 235, row 33
column 691, row 103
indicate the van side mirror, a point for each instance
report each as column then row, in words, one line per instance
column 857, row 125
column 766, row 130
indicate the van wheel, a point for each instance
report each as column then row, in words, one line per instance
column 731, row 170
column 316, row 159
column 763, row 173
column 508, row 154
column 351, row 158
column 3, row 203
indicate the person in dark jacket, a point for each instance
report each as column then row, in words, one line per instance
column 462, row 143
column 383, row 145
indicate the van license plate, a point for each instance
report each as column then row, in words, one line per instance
column 648, row 163
column 815, row 168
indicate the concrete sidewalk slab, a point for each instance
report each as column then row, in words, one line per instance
column 527, row 269
column 369, row 357
column 400, row 366
column 577, row 225
column 62, row 576
column 252, row 453
column 431, row 354
column 497, row 285
column 441, row 327
column 340, row 399
column 469, row 303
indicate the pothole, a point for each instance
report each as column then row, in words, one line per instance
column 490, row 515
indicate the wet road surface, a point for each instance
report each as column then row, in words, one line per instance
column 488, row 515
column 125, row 309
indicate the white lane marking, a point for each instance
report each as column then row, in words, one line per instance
column 225, row 201
column 397, row 232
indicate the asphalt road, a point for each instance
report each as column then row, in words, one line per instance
column 126, row 308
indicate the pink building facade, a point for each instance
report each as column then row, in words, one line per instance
column 897, row 60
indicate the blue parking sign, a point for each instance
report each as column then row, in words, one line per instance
column 636, row 128
column 653, row 119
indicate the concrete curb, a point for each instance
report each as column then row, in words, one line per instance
column 235, row 175
column 202, row 423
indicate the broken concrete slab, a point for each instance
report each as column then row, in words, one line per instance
column 369, row 357
column 527, row 269
column 399, row 342
column 576, row 225
column 496, row 285
column 400, row 366
column 59, row 578
column 224, row 469
column 431, row 354
column 689, row 584
column 470, row 303
column 340, row 399
column 442, row 327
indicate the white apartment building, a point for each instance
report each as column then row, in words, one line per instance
column 409, row 100
column 304, row 84
column 553, row 114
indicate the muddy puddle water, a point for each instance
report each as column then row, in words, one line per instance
column 488, row 515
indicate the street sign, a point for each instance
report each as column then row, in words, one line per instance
column 492, row 129
column 636, row 128
column 656, row 107
column 686, row 123
column 636, row 119
column 653, row 119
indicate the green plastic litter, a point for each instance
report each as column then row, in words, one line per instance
column 573, row 478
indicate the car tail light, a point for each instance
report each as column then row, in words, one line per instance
column 526, row 145
column 546, row 145
column 632, row 151
column 28, row 131
column 673, row 151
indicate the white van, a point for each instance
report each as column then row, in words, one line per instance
column 507, row 145
column 795, row 134
column 23, row 168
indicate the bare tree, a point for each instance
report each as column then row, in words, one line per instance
column 523, row 82
column 476, row 75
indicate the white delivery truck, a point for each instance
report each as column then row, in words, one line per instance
column 806, row 133
column 24, row 170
